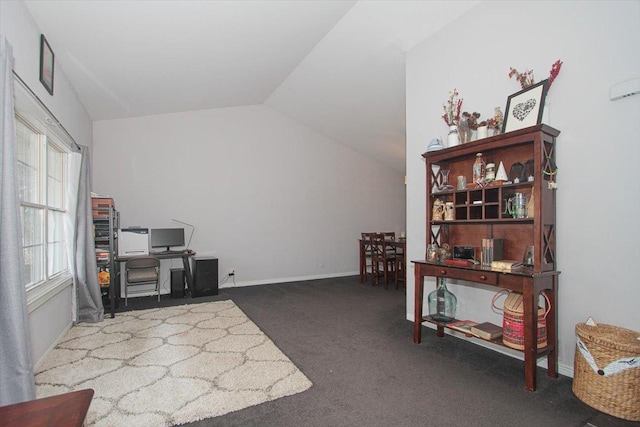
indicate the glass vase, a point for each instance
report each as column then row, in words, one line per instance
column 442, row 303
column 445, row 186
column 464, row 132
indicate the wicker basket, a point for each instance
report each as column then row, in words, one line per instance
column 513, row 321
column 607, row 369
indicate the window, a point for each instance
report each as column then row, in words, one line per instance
column 42, row 166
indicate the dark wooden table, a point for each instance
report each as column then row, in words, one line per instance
column 530, row 285
column 68, row 410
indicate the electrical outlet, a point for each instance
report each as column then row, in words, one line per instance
column 232, row 272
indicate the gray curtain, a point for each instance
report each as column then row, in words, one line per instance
column 16, row 369
column 90, row 308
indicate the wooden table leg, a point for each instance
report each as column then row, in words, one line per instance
column 417, row 304
column 363, row 260
column 186, row 262
column 552, row 331
column 530, row 336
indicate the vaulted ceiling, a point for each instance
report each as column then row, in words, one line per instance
column 335, row 66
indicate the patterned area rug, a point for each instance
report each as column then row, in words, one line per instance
column 168, row 366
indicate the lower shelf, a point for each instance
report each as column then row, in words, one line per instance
column 497, row 341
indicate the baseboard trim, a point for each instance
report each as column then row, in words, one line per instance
column 236, row 284
column 53, row 345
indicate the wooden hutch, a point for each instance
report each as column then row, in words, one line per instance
column 481, row 213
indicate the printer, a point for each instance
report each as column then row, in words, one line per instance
column 133, row 241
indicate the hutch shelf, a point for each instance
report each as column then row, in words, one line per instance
column 481, row 213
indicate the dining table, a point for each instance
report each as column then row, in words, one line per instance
column 400, row 244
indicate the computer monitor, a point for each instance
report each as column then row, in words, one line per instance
column 166, row 237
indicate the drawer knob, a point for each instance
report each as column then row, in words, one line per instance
column 443, row 272
column 483, row 277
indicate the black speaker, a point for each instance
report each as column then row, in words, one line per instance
column 177, row 283
column 205, row 277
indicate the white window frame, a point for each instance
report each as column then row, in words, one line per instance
column 42, row 203
column 32, row 113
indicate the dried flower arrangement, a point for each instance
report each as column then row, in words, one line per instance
column 555, row 70
column 495, row 122
column 452, row 108
column 473, row 119
column 526, row 79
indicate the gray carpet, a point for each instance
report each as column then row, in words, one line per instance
column 353, row 342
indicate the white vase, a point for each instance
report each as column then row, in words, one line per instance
column 453, row 138
column 483, row 132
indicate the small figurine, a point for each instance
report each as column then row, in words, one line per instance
column 501, row 175
column 479, row 170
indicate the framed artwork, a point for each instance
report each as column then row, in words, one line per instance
column 524, row 108
column 46, row 64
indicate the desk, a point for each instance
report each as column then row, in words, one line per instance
column 528, row 284
column 400, row 244
column 185, row 255
column 68, row 409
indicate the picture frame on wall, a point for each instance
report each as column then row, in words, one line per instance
column 47, row 63
column 525, row 108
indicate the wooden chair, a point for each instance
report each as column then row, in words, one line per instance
column 400, row 274
column 366, row 241
column 381, row 257
column 390, row 235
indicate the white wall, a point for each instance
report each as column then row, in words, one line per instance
column 24, row 35
column 598, row 199
column 269, row 197
column 51, row 319
column 49, row 323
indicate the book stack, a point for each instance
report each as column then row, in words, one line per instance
column 102, row 255
column 491, row 251
column 506, row 265
column 487, row 331
column 463, row 326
